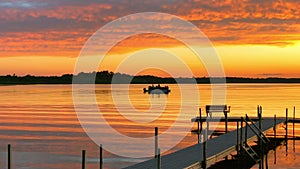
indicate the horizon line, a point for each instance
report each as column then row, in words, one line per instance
column 70, row 74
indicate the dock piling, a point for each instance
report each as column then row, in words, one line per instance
column 83, row 159
column 246, row 130
column 294, row 116
column 158, row 159
column 274, row 129
column 204, row 149
column 9, row 156
column 156, row 142
column 237, row 139
column 261, row 154
column 101, row 157
column 241, row 134
column 286, row 124
column 286, row 130
column 226, row 122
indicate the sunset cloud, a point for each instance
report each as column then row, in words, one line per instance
column 225, row 22
column 243, row 22
column 21, row 4
column 38, row 27
column 58, row 29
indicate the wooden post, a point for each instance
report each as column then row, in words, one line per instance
column 9, row 156
column 286, row 124
column 294, row 116
column 226, row 122
column 261, row 163
column 241, row 134
column 83, row 159
column 246, row 132
column 158, row 159
column 207, row 125
column 199, row 121
column 237, row 139
column 260, row 117
column 156, row 142
column 274, row 129
column 286, row 130
column 275, row 156
column 275, row 140
column 262, row 147
column 101, row 157
column 204, row 149
column 258, row 111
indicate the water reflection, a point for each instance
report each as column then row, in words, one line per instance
column 40, row 123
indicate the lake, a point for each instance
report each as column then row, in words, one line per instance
column 41, row 123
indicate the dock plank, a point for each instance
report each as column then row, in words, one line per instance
column 217, row 148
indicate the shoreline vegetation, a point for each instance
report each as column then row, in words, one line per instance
column 106, row 77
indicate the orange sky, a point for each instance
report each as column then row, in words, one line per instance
column 253, row 38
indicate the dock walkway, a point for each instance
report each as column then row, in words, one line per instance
column 217, row 149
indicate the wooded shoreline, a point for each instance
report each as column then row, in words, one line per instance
column 106, row 77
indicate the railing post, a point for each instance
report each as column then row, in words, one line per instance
column 258, row 111
column 294, row 116
column 198, row 127
column 207, row 124
column 246, row 128
column 260, row 140
column 241, row 134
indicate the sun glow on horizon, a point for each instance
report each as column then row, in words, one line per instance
column 237, row 60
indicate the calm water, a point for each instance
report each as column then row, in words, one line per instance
column 40, row 122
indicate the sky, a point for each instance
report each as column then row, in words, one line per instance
column 253, row 38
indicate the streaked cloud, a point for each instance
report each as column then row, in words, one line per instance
column 29, row 26
column 271, row 75
column 21, row 4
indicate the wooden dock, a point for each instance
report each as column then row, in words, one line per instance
column 217, row 149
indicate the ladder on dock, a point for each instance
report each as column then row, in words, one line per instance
column 252, row 154
column 261, row 137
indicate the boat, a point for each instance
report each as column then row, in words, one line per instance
column 157, row 89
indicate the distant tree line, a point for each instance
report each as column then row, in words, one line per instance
column 107, row 77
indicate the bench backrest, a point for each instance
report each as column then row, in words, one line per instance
column 216, row 108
